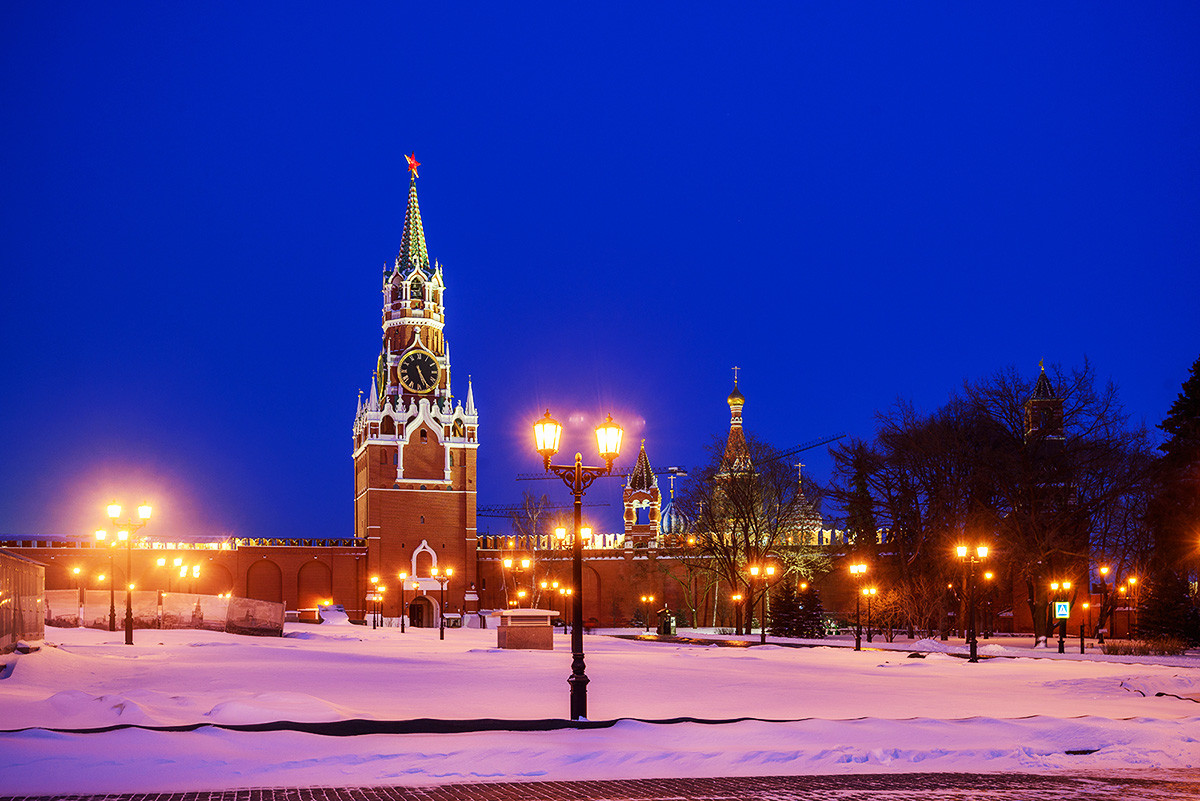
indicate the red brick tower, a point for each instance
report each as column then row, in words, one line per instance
column 414, row 447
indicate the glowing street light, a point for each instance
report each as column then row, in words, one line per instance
column 646, row 601
column 1060, row 590
column 373, row 597
column 403, row 576
column 1104, row 571
column 443, row 578
column 131, row 527
column 547, row 434
column 858, row 571
column 101, row 536
column 766, row 574
column 869, row 593
column 969, row 561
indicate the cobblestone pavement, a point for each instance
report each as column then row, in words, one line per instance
column 893, row 787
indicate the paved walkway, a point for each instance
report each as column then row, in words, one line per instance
column 893, row 787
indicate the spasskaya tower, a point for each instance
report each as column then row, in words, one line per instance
column 415, row 445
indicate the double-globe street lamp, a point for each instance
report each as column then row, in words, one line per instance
column 101, row 536
column 517, row 566
column 766, row 574
column 646, row 601
column 442, row 578
column 126, row 532
column 969, row 560
column 547, row 433
column 374, row 597
column 1060, row 597
column 858, row 571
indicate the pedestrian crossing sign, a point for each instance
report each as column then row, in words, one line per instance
column 1062, row 610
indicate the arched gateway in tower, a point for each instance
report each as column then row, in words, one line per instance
column 414, row 446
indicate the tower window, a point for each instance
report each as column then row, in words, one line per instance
column 414, row 290
column 424, row 435
column 383, row 457
column 422, row 518
column 452, row 459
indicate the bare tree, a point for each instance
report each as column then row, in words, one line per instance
column 747, row 510
column 1044, row 492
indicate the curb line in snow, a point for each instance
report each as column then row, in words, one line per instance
column 358, row 726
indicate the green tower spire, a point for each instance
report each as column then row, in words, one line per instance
column 412, row 240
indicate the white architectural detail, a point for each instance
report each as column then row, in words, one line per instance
column 423, row 547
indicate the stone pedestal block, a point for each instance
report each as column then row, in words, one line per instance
column 527, row 629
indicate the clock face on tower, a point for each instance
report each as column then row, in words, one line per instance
column 419, row 372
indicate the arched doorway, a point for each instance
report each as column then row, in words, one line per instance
column 594, row 608
column 422, row 612
column 264, row 581
column 214, row 580
column 314, row 584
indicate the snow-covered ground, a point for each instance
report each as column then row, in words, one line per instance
column 819, row 710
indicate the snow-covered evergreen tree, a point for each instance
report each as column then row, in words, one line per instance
column 785, row 611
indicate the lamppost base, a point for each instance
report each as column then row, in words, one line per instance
column 578, row 683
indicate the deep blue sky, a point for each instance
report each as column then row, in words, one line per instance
column 853, row 202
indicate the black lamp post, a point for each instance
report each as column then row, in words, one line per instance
column 1103, row 604
column 969, row 560
column 578, row 478
column 1063, row 587
column 1133, row 585
column 858, row 571
column 373, row 598
column 101, row 536
column 646, row 601
column 766, row 574
column 518, row 566
column 1128, row 616
column 442, row 578
column 869, row 593
column 987, row 623
column 126, row 532
column 403, row 582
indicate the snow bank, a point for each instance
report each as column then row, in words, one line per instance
column 819, row 710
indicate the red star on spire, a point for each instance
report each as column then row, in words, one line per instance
column 413, row 164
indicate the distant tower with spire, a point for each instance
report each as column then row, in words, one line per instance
column 737, row 454
column 414, row 447
column 643, row 502
column 1044, row 414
